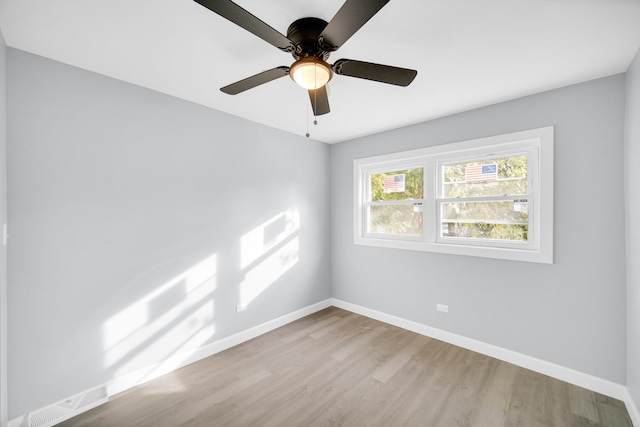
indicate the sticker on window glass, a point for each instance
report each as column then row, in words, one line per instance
column 394, row 183
column 481, row 173
column 417, row 207
column 521, row 205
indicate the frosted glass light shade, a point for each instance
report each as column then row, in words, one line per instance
column 311, row 73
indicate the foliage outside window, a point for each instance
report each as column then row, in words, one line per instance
column 490, row 197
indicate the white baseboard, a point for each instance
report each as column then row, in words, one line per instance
column 633, row 409
column 178, row 361
column 600, row 385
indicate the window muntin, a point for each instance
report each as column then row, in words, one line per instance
column 508, row 216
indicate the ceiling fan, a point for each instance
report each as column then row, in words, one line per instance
column 311, row 41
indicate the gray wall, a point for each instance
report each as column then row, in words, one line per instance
column 571, row 313
column 3, row 220
column 632, row 188
column 116, row 192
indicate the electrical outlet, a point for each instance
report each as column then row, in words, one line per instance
column 442, row 307
column 241, row 307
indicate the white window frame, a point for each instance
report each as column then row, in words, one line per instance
column 536, row 143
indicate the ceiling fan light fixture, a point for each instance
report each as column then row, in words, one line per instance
column 311, row 73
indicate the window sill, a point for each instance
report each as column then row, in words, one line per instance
column 511, row 254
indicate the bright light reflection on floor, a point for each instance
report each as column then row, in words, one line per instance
column 176, row 317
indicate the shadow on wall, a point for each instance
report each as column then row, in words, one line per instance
column 164, row 328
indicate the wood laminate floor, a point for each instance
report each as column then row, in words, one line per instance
column 336, row 368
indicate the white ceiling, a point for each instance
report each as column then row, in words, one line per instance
column 468, row 53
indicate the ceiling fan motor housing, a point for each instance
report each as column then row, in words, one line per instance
column 305, row 35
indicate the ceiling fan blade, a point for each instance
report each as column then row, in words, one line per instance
column 376, row 72
column 350, row 18
column 257, row 80
column 319, row 101
column 234, row 13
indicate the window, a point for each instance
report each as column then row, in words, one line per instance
column 485, row 200
column 394, row 205
column 490, row 197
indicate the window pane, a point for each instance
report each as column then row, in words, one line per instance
column 403, row 184
column 492, row 177
column 396, row 219
column 504, row 220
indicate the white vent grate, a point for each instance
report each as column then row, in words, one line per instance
column 63, row 410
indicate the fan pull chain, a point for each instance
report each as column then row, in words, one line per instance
column 315, row 95
column 315, row 102
column 307, row 120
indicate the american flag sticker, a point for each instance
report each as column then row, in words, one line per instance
column 481, row 173
column 394, row 183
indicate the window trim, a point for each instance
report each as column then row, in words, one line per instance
column 540, row 246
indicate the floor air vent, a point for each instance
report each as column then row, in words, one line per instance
column 54, row 414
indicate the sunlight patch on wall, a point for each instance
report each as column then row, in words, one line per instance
column 174, row 318
column 268, row 235
column 267, row 252
column 268, row 271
